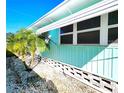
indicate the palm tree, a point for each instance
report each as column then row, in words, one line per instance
column 12, row 45
column 26, row 41
column 21, row 42
column 35, row 43
column 32, row 46
column 17, row 42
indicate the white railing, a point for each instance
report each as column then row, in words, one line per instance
column 100, row 83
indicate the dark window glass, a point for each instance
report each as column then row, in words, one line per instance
column 113, row 35
column 67, row 39
column 66, row 29
column 90, row 23
column 88, row 37
column 113, row 18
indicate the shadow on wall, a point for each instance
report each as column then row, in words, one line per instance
column 19, row 79
column 74, row 55
column 94, row 58
column 77, row 55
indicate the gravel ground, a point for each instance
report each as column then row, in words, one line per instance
column 19, row 80
column 42, row 79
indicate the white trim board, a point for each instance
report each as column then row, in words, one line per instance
column 88, row 30
column 54, row 9
column 103, row 30
column 100, row 8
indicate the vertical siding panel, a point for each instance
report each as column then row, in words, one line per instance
column 94, row 50
column 100, row 67
column 87, row 58
column 108, row 53
column 79, row 57
column 76, row 61
column 87, row 53
column 115, row 52
column 84, row 57
column 89, row 66
column 81, row 53
column 110, row 68
column 84, row 67
column 72, row 55
column 101, row 54
column 115, row 69
column 96, row 59
column 69, row 54
column 94, row 65
column 106, row 70
column 65, row 54
column 112, row 64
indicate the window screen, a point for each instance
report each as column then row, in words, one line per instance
column 90, row 23
column 113, row 35
column 66, row 29
column 66, row 39
column 113, row 18
column 88, row 37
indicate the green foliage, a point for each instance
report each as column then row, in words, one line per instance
column 40, row 42
column 25, row 41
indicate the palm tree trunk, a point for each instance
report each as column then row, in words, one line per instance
column 23, row 58
column 32, row 61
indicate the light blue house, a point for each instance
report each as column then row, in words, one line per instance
column 84, row 36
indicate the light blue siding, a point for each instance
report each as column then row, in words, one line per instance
column 101, row 60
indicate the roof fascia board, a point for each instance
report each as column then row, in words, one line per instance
column 95, row 10
column 54, row 9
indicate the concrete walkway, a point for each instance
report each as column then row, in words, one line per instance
column 63, row 83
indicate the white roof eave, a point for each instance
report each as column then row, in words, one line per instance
column 102, row 7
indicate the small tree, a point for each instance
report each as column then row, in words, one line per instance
column 12, row 44
column 25, row 41
column 21, row 37
column 35, row 43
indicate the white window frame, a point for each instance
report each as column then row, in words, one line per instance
column 103, row 40
column 112, row 26
column 66, row 34
column 88, row 30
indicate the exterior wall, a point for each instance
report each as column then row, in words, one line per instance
column 101, row 60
